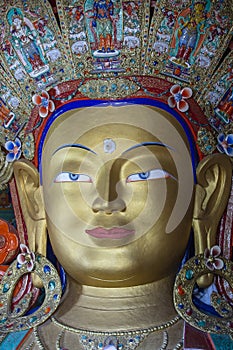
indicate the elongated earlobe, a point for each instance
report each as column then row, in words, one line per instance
column 31, row 201
column 212, row 192
column 27, row 180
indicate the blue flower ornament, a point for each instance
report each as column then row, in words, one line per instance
column 14, row 149
column 225, row 144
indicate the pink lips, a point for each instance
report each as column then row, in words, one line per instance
column 113, row 233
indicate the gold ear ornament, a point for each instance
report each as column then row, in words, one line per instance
column 209, row 262
column 25, row 263
column 220, row 304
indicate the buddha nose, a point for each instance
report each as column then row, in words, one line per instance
column 109, row 191
column 108, row 207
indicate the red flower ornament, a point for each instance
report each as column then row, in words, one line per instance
column 45, row 104
column 179, row 97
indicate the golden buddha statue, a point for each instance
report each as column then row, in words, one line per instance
column 117, row 181
column 114, row 225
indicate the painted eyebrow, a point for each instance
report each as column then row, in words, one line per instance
column 74, row 145
column 148, row 144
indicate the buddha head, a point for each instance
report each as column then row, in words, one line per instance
column 117, row 190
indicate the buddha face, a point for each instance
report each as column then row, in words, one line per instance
column 117, row 185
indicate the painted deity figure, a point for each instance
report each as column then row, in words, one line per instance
column 44, row 31
column 76, row 28
column 25, row 40
column 131, row 20
column 190, row 33
column 225, row 109
column 164, row 33
column 102, row 20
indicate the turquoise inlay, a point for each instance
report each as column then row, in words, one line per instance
column 222, row 342
column 189, row 274
column 12, row 340
column 52, row 285
column 201, row 323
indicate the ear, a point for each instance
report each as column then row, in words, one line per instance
column 31, row 201
column 214, row 175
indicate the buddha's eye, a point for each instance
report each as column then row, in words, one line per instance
column 72, row 177
column 149, row 175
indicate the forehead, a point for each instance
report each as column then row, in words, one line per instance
column 136, row 123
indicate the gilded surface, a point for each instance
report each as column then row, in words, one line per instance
column 116, row 186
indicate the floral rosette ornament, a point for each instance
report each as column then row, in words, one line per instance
column 44, row 103
column 212, row 261
column 14, row 149
column 179, row 97
column 225, row 144
column 26, row 257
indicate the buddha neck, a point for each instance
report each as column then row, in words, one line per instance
column 96, row 308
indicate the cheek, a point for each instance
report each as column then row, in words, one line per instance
column 157, row 198
column 162, row 252
column 64, row 208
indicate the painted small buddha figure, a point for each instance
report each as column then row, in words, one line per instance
column 116, row 193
